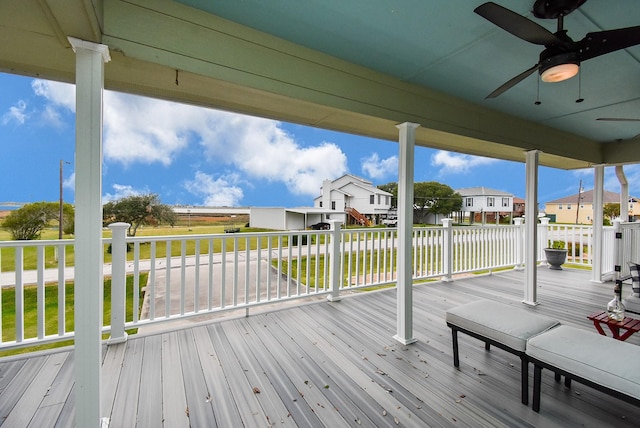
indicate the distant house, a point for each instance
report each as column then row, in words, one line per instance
column 348, row 199
column 359, row 198
column 578, row 208
column 481, row 204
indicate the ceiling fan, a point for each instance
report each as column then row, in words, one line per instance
column 561, row 58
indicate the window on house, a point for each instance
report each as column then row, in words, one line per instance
column 505, row 202
column 560, row 206
column 333, row 205
column 372, row 199
column 469, row 202
column 568, row 206
column 320, row 204
column 491, row 202
column 379, row 199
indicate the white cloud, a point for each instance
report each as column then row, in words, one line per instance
column 70, row 182
column 220, row 192
column 261, row 149
column 60, row 94
column 375, row 167
column 122, row 191
column 457, row 163
column 611, row 181
column 144, row 130
column 16, row 113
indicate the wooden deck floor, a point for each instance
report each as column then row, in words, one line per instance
column 326, row 364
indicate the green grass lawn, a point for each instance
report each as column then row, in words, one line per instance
column 231, row 242
column 51, row 312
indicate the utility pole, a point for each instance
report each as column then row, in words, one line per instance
column 60, row 213
column 579, row 199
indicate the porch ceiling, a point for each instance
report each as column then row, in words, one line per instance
column 358, row 67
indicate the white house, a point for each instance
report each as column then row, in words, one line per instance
column 291, row 218
column 484, row 204
column 358, row 197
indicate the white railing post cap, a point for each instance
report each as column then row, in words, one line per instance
column 119, row 225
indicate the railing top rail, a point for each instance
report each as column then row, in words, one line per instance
column 205, row 236
column 37, row 243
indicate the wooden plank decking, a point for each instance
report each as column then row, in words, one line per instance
column 326, row 364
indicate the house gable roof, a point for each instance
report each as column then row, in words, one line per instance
column 482, row 191
column 587, row 197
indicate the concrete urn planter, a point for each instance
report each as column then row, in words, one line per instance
column 555, row 257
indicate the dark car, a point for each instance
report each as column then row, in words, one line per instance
column 321, row 226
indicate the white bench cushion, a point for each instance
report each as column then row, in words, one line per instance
column 506, row 324
column 600, row 359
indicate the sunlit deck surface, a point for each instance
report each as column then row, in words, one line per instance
column 327, row 364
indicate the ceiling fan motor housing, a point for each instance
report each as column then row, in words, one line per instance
column 549, row 58
column 553, row 9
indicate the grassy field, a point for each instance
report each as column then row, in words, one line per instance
column 51, row 305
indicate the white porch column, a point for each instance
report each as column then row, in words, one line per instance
column 624, row 193
column 407, row 140
column 90, row 59
column 598, row 190
column 531, row 230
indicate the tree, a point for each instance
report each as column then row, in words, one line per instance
column 611, row 210
column 393, row 189
column 138, row 210
column 428, row 197
column 435, row 198
column 28, row 222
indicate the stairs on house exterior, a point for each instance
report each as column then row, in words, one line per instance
column 358, row 217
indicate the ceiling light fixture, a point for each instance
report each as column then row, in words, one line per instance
column 559, row 67
column 559, row 73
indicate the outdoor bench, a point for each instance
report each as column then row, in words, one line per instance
column 504, row 326
column 600, row 362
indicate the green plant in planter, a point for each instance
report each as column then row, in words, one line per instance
column 556, row 254
column 556, row 245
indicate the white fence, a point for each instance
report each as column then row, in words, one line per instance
column 196, row 275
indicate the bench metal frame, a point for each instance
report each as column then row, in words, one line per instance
column 537, row 380
column 524, row 370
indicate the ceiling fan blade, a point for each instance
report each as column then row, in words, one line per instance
column 517, row 25
column 603, row 42
column 618, row 119
column 511, row 83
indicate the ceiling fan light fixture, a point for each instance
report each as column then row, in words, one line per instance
column 559, row 72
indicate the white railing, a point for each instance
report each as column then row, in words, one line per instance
column 626, row 246
column 201, row 275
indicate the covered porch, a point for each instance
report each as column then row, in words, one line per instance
column 326, row 364
column 434, row 84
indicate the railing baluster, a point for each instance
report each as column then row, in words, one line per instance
column 40, row 292
column 1, row 327
column 183, row 275
column 269, row 266
column 247, row 265
column 151, row 288
column 279, row 278
column 19, row 297
column 259, row 269
column 196, row 285
column 289, row 263
column 317, row 257
column 136, row 282
column 223, row 274
column 235, row 271
column 210, row 277
column 62, row 294
column 167, row 284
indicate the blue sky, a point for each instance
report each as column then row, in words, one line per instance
column 195, row 156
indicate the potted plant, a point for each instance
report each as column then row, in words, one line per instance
column 556, row 254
